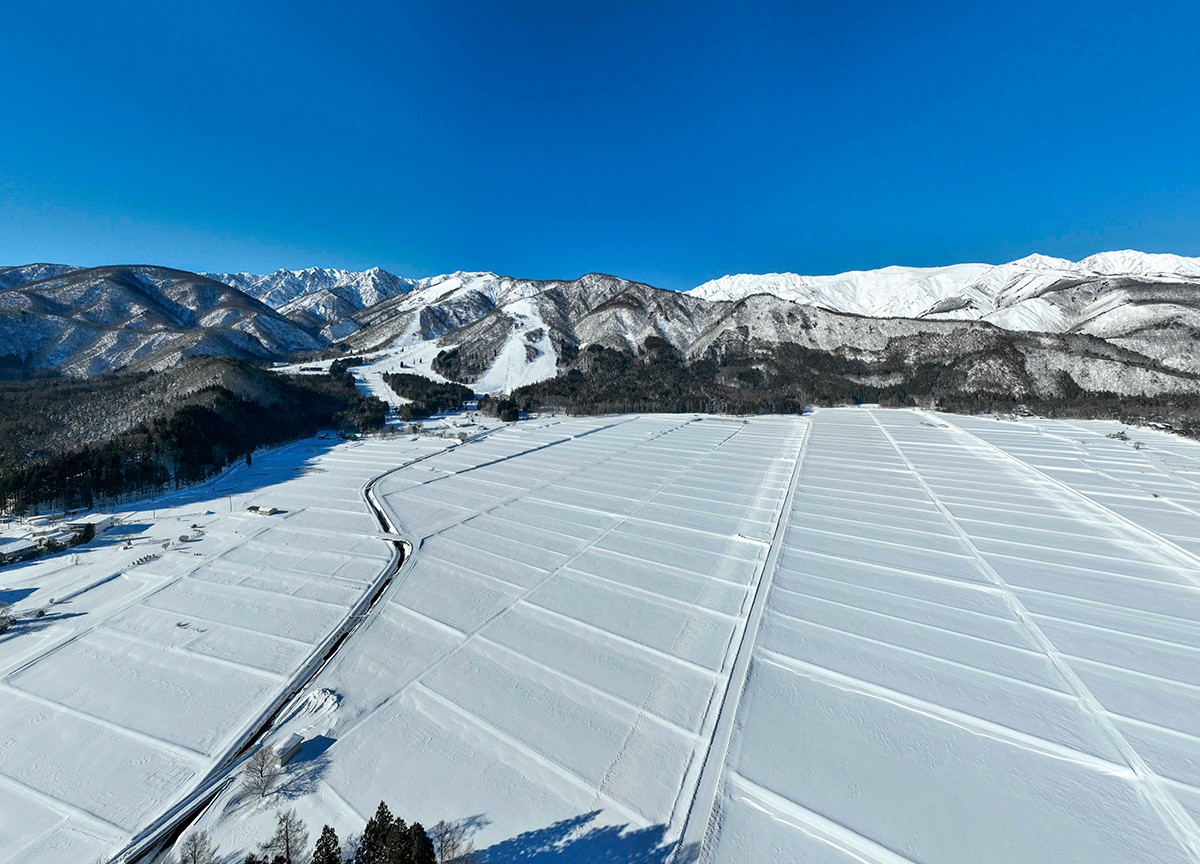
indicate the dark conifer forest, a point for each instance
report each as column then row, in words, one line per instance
column 80, row 442
column 428, row 397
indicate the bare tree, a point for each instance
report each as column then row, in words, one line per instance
column 197, row 848
column 290, row 839
column 262, row 772
column 452, row 842
column 6, row 616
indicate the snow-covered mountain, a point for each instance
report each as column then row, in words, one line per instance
column 960, row 290
column 496, row 344
column 320, row 299
column 498, row 332
column 88, row 321
column 1147, row 302
column 12, row 277
column 1130, row 263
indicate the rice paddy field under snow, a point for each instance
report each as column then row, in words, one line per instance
column 858, row 636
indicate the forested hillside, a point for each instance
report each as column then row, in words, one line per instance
column 787, row 378
column 428, row 397
column 76, row 442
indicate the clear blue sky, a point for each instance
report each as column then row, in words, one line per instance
column 668, row 142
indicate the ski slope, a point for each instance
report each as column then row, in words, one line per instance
column 863, row 635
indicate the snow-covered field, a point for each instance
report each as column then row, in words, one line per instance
column 144, row 676
column 859, row 636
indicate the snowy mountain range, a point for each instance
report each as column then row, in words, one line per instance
column 1146, row 302
column 320, row 299
column 89, row 321
column 497, row 332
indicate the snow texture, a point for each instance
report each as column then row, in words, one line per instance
column 858, row 636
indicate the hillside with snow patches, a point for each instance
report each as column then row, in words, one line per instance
column 515, row 331
column 89, row 321
column 507, row 332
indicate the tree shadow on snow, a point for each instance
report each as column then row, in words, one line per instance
column 270, row 468
column 29, row 624
column 572, row 841
column 306, row 770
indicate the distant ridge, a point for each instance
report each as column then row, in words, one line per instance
column 498, row 333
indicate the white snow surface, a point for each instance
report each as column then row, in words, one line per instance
column 864, row 636
column 527, row 356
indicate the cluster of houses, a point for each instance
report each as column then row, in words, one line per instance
column 30, row 537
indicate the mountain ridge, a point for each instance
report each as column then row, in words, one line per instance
column 498, row 333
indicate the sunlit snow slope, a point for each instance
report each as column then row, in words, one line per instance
column 1007, row 294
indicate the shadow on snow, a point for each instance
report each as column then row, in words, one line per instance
column 572, row 841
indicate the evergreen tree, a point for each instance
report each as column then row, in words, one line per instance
column 372, row 849
column 420, row 846
column 328, row 849
column 398, row 845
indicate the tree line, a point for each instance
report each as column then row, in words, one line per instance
column 67, row 443
column 786, row 378
column 500, row 407
column 428, row 397
column 385, row 839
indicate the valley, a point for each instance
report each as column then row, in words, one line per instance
column 585, row 597
column 869, row 634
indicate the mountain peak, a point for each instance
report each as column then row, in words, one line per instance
column 1133, row 263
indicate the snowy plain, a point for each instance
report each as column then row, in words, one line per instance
column 862, row 635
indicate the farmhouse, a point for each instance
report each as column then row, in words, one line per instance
column 54, row 539
column 100, row 522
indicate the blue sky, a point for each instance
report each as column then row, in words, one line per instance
column 668, row 142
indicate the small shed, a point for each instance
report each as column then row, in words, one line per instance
column 288, row 747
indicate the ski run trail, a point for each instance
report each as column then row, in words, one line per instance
column 861, row 636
